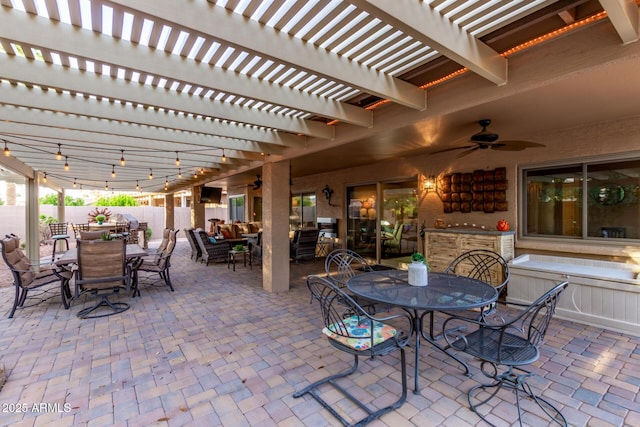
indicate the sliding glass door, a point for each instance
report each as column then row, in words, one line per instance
column 382, row 220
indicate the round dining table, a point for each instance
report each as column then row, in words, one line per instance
column 444, row 292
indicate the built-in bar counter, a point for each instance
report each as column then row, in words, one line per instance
column 443, row 245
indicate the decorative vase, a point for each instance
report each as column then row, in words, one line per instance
column 99, row 222
column 418, row 275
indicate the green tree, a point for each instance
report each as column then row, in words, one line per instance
column 117, row 200
column 52, row 199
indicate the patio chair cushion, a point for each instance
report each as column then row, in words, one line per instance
column 360, row 326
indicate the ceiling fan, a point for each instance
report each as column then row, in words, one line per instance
column 257, row 184
column 485, row 139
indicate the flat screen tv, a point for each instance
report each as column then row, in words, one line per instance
column 210, row 195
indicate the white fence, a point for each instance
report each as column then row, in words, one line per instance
column 13, row 220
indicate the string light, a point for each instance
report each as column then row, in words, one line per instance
column 106, row 186
column 7, row 153
column 122, row 162
column 150, row 174
column 59, row 153
column 224, row 158
column 195, row 175
column 66, row 163
column 179, row 174
column 201, row 171
column 166, row 183
column 75, row 183
column 137, row 186
column 177, row 159
column 44, row 179
column 113, row 171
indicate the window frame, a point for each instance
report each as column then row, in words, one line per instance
column 583, row 164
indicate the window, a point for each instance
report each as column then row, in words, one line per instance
column 236, row 208
column 303, row 211
column 582, row 201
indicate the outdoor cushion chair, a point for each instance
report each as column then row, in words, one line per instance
column 303, row 245
column 59, row 233
column 212, row 252
column 351, row 329
column 28, row 277
column 160, row 264
column 196, row 252
column 503, row 347
column 102, row 272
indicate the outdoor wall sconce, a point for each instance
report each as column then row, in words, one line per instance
column 430, row 183
column 328, row 192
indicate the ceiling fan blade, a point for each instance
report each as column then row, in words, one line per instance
column 517, row 145
column 466, row 153
column 453, row 149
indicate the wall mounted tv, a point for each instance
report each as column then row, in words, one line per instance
column 210, row 195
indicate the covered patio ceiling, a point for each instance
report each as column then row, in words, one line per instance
column 125, row 89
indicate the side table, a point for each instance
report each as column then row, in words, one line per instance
column 232, row 256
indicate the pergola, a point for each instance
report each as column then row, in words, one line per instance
column 108, row 93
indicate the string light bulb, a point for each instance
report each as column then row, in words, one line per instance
column 75, row 183
column 113, row 171
column 106, row 186
column 137, row 186
column 150, row 173
column 44, row 178
column 179, row 174
column 59, row 153
column 166, row 183
column 7, row 152
column 122, row 161
column 177, row 159
column 224, row 157
column 66, row 163
column 201, row 171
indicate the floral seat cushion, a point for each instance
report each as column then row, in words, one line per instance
column 358, row 332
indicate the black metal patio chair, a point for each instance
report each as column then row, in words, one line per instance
column 351, row 329
column 503, row 348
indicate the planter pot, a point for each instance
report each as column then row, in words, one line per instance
column 418, row 275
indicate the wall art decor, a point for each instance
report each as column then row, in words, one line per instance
column 481, row 190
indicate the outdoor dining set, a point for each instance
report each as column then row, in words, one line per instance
column 370, row 312
column 102, row 264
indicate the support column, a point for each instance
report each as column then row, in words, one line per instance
column 169, row 210
column 60, row 215
column 275, row 225
column 32, row 220
column 197, row 208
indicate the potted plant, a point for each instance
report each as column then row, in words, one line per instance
column 100, row 218
column 418, row 270
column 105, row 237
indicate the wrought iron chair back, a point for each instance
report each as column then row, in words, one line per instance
column 485, row 265
column 342, row 264
column 59, row 233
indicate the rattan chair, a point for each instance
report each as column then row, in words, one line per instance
column 303, row 244
column 503, row 347
column 351, row 329
column 102, row 272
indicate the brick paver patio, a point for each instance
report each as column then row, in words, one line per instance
column 221, row 351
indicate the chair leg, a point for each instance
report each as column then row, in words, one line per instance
column 116, row 307
column 16, row 302
column 516, row 382
column 372, row 414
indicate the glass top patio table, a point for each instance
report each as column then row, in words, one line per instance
column 445, row 292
